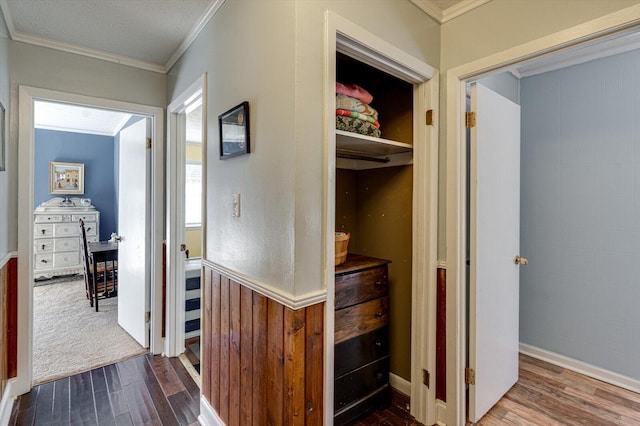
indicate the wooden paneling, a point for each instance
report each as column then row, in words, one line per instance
column 265, row 362
column 8, row 322
column 441, row 336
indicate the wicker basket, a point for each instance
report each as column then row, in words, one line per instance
column 342, row 243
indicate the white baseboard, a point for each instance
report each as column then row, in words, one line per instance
column 441, row 413
column 581, row 367
column 6, row 405
column 208, row 416
column 400, row 384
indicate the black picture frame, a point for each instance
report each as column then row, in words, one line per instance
column 234, row 131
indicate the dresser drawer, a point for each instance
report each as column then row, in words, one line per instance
column 66, row 244
column 48, row 218
column 43, row 230
column 360, row 383
column 88, row 217
column 66, row 230
column 361, row 350
column 66, row 259
column 361, row 286
column 360, row 319
column 44, row 245
column 44, row 261
column 90, row 228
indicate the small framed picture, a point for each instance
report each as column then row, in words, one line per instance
column 3, row 139
column 66, row 178
column 234, row 131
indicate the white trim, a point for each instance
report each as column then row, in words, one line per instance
column 442, row 16
column 284, row 298
column 26, row 97
column 347, row 37
column 175, row 222
column 186, row 43
column 5, row 259
column 456, row 168
column 441, row 413
column 461, row 8
column 441, row 264
column 208, row 416
column 400, row 384
column 581, row 367
column 6, row 405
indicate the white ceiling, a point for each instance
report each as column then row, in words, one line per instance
column 149, row 34
column 78, row 119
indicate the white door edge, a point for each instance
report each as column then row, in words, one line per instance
column 175, row 332
column 26, row 97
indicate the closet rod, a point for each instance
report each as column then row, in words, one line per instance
column 363, row 158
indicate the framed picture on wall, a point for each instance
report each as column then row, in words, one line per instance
column 234, row 131
column 66, row 178
column 3, row 139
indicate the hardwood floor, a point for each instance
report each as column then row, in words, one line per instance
column 550, row 395
column 149, row 390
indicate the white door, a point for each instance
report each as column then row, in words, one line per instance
column 133, row 223
column 494, row 245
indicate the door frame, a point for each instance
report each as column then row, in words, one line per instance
column 26, row 97
column 345, row 36
column 176, row 142
column 456, row 189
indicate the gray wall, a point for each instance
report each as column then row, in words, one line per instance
column 581, row 213
column 5, row 177
column 504, row 84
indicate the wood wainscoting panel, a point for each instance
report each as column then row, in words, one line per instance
column 441, row 335
column 264, row 363
column 8, row 322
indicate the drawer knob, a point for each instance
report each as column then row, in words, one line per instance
column 44, row 260
column 379, row 376
column 44, row 231
column 378, row 283
column 379, row 314
column 43, row 247
column 378, row 344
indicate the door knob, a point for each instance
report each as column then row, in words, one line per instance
column 520, row 260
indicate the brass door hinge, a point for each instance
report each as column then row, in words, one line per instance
column 470, row 120
column 147, row 316
column 429, row 117
column 426, row 378
column 469, row 376
column 148, row 143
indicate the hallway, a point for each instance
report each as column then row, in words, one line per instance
column 148, row 389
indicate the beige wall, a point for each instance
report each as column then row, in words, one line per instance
column 278, row 238
column 494, row 27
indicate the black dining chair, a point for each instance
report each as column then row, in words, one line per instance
column 104, row 289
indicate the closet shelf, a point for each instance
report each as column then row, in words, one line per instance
column 354, row 143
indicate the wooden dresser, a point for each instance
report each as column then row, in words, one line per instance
column 56, row 236
column 361, row 337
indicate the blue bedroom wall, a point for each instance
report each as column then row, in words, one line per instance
column 97, row 155
column 580, row 213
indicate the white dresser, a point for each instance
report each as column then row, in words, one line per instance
column 56, row 236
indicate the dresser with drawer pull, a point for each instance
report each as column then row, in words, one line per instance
column 361, row 337
column 56, row 237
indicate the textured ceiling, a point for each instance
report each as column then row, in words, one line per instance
column 78, row 119
column 146, row 30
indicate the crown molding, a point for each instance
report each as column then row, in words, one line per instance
column 8, row 20
column 442, row 16
column 186, row 43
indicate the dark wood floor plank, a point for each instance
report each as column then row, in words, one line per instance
column 97, row 397
column 166, row 376
column 44, row 404
column 181, row 404
column 159, row 399
column 82, row 408
column 61, row 406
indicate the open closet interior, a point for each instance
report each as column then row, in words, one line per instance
column 374, row 204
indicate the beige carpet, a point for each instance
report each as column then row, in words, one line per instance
column 70, row 337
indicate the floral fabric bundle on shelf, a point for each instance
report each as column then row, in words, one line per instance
column 353, row 112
